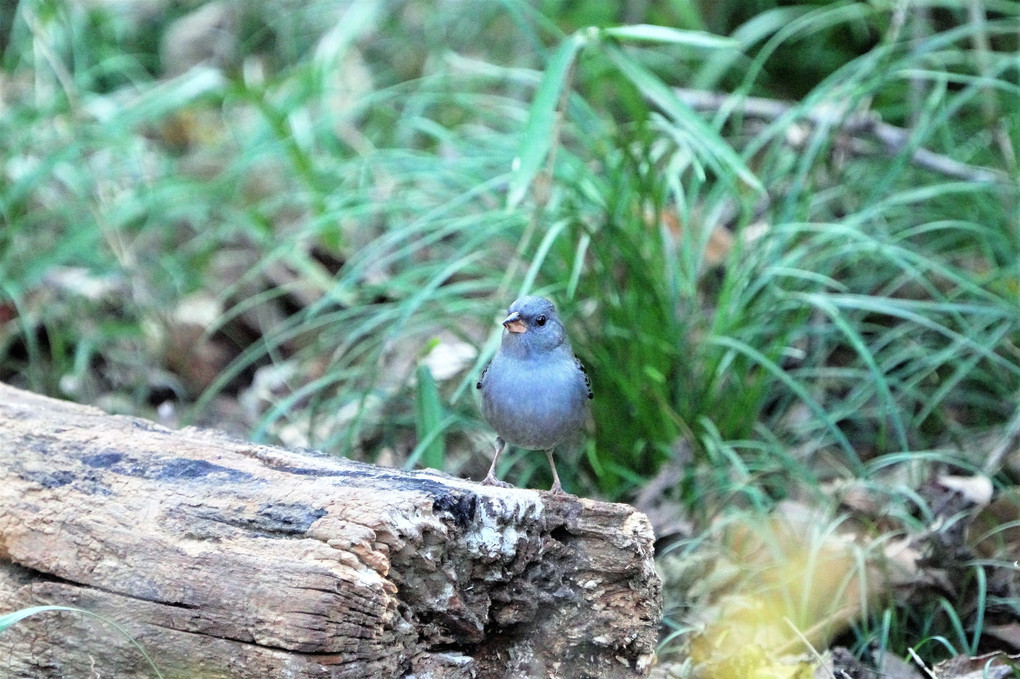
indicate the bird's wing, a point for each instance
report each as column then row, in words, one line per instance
column 587, row 380
column 478, row 384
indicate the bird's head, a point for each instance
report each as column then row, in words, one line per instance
column 532, row 324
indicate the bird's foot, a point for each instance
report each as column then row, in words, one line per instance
column 557, row 489
column 491, row 480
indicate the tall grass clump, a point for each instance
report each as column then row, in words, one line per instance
column 782, row 287
column 864, row 300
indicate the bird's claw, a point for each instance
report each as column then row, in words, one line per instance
column 557, row 489
column 491, row 480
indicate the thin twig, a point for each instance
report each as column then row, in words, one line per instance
column 860, row 124
column 917, row 659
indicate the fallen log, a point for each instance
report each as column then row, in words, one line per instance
column 221, row 558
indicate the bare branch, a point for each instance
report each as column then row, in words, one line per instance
column 859, row 124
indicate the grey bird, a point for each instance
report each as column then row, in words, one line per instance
column 534, row 390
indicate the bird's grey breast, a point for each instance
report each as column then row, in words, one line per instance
column 532, row 403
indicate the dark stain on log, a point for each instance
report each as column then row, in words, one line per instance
column 185, row 469
column 293, row 519
column 162, row 469
column 103, row 460
column 49, row 479
column 309, row 471
column 460, row 507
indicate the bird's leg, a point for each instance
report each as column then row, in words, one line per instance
column 490, row 478
column 556, row 489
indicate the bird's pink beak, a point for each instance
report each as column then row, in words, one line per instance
column 513, row 323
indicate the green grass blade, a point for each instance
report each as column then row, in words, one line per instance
column 705, row 141
column 429, row 418
column 541, row 130
column 667, row 35
column 10, row 619
column 794, row 386
column 879, row 379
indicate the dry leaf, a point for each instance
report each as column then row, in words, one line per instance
column 449, row 357
column 1009, row 633
column 975, row 489
column 996, row 528
column 800, row 584
column 996, row 665
column 891, row 666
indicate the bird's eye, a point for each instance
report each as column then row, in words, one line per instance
column 540, row 320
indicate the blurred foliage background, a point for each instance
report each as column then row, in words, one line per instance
column 784, row 236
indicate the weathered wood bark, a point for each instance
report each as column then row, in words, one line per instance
column 226, row 559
